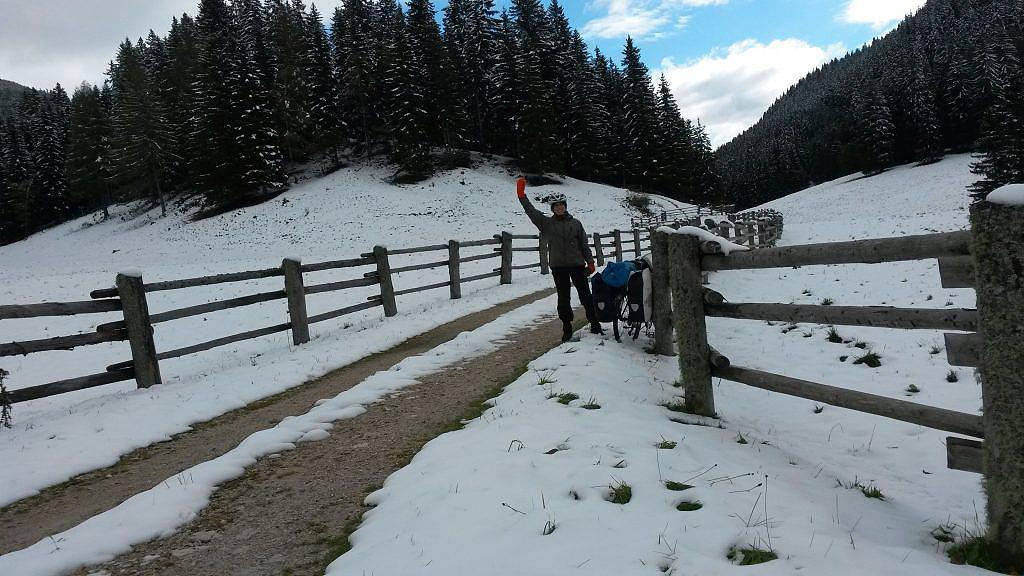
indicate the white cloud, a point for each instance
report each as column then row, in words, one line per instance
column 878, row 13
column 625, row 17
column 728, row 89
column 640, row 18
column 70, row 41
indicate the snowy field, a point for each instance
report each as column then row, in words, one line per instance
column 525, row 489
column 340, row 216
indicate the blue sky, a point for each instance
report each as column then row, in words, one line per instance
column 726, row 60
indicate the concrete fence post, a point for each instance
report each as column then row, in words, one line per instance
column 688, row 319
column 998, row 251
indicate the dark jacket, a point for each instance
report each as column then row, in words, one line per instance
column 567, row 241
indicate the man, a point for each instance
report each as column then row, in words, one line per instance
column 568, row 254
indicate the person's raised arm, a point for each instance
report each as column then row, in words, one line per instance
column 536, row 216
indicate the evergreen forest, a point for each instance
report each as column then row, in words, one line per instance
column 948, row 79
column 222, row 107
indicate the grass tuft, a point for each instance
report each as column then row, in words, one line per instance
column 871, row 491
column 870, row 359
column 913, row 389
column 566, row 397
column 741, row 439
column 819, row 408
column 621, row 493
column 676, row 406
column 666, row 444
column 860, row 344
column 544, row 378
column 984, row 553
column 591, row 404
column 689, row 505
column 833, row 335
column 750, row 555
column 676, row 486
column 934, row 350
column 952, row 376
column 826, row 302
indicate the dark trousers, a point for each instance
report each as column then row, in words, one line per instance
column 564, row 277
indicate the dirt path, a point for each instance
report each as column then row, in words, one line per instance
column 60, row 507
column 289, row 515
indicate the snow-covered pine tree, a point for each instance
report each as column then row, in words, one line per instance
column 141, row 134
column 1001, row 146
column 609, row 78
column 404, row 90
column 676, row 158
column 538, row 148
column 504, row 97
column 285, row 32
column 49, row 178
column 182, row 49
column 352, row 35
column 325, row 123
column 88, row 154
column 470, row 40
column 640, row 115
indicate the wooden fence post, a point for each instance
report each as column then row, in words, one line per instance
column 618, row 244
column 506, row 258
column 387, row 288
column 295, row 290
column 542, row 245
column 723, row 229
column 598, row 252
column 660, row 294
column 140, row 331
column 636, row 242
column 690, row 330
column 762, row 232
column 998, row 251
column 454, row 274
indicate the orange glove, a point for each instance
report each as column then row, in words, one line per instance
column 521, row 187
column 590, row 267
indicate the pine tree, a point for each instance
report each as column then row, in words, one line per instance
column 325, row 125
column 352, row 36
column 640, row 118
column 1001, row 147
column 88, row 156
column 49, row 179
column 537, row 143
column 141, row 134
column 675, row 148
column 471, row 41
column 182, row 47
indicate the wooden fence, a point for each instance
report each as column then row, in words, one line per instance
column 989, row 258
column 137, row 326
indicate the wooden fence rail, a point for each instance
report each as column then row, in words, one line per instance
column 137, row 324
column 988, row 258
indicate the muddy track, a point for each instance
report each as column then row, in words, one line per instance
column 65, row 505
column 290, row 513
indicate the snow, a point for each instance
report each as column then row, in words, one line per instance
column 179, row 499
column 1008, row 195
column 481, row 497
column 705, row 236
column 338, row 216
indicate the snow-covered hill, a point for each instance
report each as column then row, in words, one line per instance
column 524, row 489
column 338, row 216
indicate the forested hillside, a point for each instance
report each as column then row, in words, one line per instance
column 948, row 78
column 10, row 93
column 227, row 101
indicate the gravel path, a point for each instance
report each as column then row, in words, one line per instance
column 287, row 515
column 60, row 507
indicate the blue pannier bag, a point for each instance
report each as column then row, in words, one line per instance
column 616, row 274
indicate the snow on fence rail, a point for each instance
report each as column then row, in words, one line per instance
column 137, row 325
column 988, row 258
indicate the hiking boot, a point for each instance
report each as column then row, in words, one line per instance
column 595, row 328
column 566, row 331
